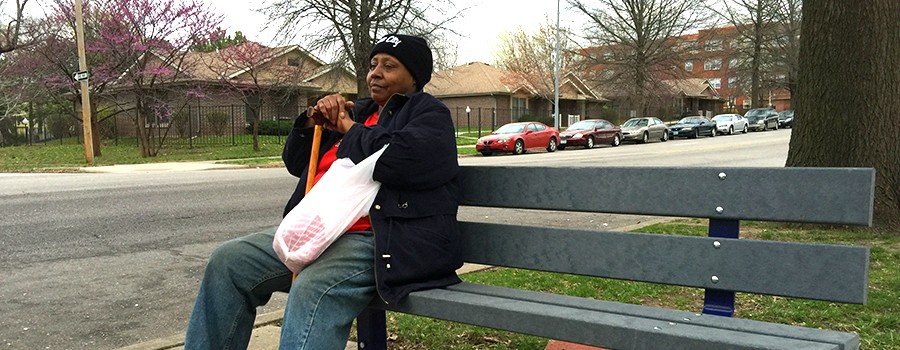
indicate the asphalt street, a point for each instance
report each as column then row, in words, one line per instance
column 100, row 261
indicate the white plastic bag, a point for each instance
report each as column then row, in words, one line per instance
column 340, row 198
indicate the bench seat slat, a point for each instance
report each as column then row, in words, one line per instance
column 812, row 271
column 609, row 324
column 811, row 195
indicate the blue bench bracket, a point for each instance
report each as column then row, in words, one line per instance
column 715, row 301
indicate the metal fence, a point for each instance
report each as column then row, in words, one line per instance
column 231, row 125
column 203, row 126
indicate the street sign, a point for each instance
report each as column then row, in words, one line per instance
column 79, row 76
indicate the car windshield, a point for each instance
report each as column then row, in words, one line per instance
column 691, row 121
column 756, row 113
column 722, row 118
column 635, row 122
column 582, row 126
column 510, row 129
column 785, row 115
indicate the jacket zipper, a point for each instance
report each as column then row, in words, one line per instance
column 375, row 265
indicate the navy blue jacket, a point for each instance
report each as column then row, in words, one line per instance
column 414, row 213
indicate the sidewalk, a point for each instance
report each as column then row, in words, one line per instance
column 160, row 167
column 266, row 330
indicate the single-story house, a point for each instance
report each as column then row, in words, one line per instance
column 479, row 94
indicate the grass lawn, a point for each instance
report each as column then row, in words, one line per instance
column 878, row 322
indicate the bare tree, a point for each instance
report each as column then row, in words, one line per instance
column 10, row 100
column 529, row 58
column 347, row 29
column 15, row 32
column 847, row 99
column 633, row 43
column 785, row 46
column 755, row 25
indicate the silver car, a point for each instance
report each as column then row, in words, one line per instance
column 644, row 129
column 728, row 123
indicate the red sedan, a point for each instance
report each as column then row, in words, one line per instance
column 518, row 138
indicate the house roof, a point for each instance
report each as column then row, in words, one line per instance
column 213, row 67
column 692, row 87
column 478, row 79
column 474, row 79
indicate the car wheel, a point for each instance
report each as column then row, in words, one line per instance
column 745, row 129
column 519, row 148
column 731, row 130
column 487, row 154
column 616, row 141
column 665, row 136
column 646, row 137
column 712, row 133
column 552, row 146
column 589, row 143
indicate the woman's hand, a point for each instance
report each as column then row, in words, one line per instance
column 332, row 112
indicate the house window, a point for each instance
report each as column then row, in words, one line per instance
column 713, row 64
column 689, row 66
column 713, row 45
column 518, row 108
column 736, row 44
column 293, row 62
column 716, row 83
column 732, row 82
column 733, row 63
column 608, row 56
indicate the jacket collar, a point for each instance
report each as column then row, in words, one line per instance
column 367, row 106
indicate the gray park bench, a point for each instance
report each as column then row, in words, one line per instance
column 721, row 264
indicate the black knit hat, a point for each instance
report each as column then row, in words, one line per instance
column 412, row 52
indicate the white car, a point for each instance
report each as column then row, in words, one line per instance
column 728, row 123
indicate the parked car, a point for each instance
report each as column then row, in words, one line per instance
column 644, row 129
column 587, row 133
column 518, row 138
column 786, row 119
column 728, row 123
column 693, row 127
column 762, row 119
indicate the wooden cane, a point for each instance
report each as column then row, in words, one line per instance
column 313, row 164
column 313, row 158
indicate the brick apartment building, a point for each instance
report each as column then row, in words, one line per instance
column 713, row 54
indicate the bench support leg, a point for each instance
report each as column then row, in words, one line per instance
column 721, row 302
column 371, row 330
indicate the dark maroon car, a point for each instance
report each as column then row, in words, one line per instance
column 590, row 132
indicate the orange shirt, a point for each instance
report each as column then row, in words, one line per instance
column 325, row 163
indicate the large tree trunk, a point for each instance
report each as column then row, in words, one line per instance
column 848, row 95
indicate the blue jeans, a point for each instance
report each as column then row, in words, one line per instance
column 243, row 273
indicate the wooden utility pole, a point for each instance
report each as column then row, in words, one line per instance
column 83, row 76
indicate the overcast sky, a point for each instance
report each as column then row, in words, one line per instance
column 481, row 25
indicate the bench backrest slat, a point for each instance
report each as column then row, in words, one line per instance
column 813, row 271
column 810, row 195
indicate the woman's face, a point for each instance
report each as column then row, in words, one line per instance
column 387, row 76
